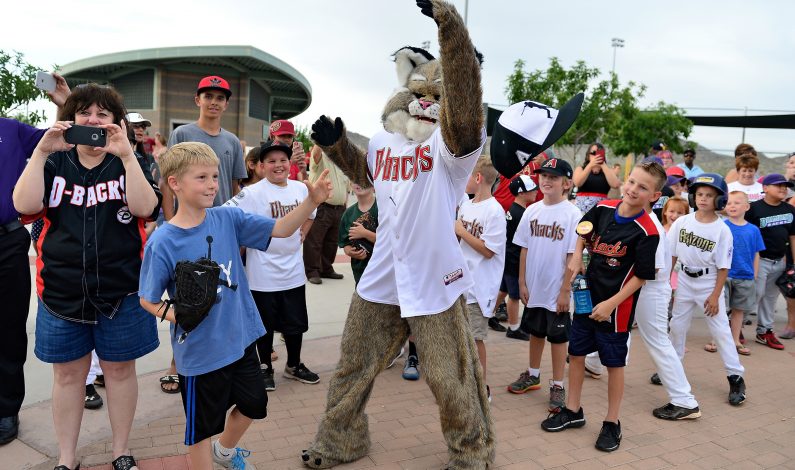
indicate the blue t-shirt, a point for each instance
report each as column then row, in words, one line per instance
column 234, row 322
column 747, row 243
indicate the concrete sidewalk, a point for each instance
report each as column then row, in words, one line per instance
column 404, row 421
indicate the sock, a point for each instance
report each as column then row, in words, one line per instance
column 293, row 344
column 223, row 451
column 534, row 372
column 559, row 383
column 514, row 326
column 412, row 349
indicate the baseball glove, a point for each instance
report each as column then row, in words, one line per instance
column 370, row 223
column 786, row 282
column 195, row 292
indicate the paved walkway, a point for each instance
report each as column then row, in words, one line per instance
column 404, row 421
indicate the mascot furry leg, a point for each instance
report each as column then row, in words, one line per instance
column 444, row 119
column 373, row 336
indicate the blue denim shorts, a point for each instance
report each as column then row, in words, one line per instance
column 130, row 334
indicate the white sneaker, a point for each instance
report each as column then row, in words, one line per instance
column 234, row 461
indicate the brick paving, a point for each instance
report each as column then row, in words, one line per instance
column 406, row 434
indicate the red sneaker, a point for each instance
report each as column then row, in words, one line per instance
column 769, row 339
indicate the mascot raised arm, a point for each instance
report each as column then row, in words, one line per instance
column 433, row 135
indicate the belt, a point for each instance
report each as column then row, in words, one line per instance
column 774, row 261
column 590, row 194
column 693, row 273
column 10, row 227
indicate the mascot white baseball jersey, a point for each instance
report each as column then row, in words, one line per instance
column 417, row 186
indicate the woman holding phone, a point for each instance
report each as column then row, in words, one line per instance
column 593, row 179
column 94, row 202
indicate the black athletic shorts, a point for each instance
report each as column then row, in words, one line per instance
column 207, row 397
column 283, row 311
column 586, row 337
column 543, row 323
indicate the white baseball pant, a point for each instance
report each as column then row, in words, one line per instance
column 651, row 314
column 691, row 293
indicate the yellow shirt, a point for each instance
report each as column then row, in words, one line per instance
column 339, row 194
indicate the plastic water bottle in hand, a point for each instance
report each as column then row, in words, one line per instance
column 582, row 295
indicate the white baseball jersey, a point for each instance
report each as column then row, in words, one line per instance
column 417, row 262
column 698, row 245
column 754, row 191
column 281, row 266
column 662, row 260
column 486, row 221
column 549, row 234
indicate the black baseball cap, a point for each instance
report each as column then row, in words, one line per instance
column 522, row 184
column 556, row 166
column 271, row 145
column 526, row 129
column 659, row 145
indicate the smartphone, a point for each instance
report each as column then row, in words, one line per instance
column 45, row 81
column 85, row 135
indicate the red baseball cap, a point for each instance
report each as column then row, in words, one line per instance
column 675, row 171
column 214, row 82
column 282, row 127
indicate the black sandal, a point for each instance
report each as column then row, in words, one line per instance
column 64, row 467
column 125, row 462
column 100, row 380
column 169, row 379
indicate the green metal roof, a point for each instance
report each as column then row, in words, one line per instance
column 290, row 90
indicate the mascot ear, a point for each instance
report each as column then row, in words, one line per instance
column 479, row 56
column 407, row 59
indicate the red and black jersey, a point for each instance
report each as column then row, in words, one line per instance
column 91, row 246
column 620, row 248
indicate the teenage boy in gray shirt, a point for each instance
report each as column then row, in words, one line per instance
column 212, row 98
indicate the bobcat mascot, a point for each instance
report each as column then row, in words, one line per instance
column 415, row 281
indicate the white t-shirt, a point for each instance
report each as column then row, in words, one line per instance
column 281, row 266
column 417, row 262
column 662, row 260
column 549, row 234
column 754, row 191
column 486, row 221
column 698, row 245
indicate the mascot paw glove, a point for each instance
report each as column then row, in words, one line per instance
column 325, row 133
column 426, row 7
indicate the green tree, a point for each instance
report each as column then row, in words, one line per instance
column 610, row 112
column 302, row 134
column 18, row 88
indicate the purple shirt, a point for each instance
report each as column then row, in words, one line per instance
column 17, row 142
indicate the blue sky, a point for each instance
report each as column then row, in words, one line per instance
column 705, row 54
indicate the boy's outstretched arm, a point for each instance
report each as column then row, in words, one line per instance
column 319, row 192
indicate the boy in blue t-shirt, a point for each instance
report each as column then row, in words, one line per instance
column 217, row 362
column 740, row 288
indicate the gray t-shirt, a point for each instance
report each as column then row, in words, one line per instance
column 226, row 146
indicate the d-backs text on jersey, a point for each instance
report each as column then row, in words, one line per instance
column 112, row 190
column 405, row 167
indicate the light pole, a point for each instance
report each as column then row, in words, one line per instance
column 616, row 43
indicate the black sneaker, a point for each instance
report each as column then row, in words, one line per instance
column 655, row 379
column 673, row 412
column 501, row 313
column 267, row 377
column 494, row 324
column 736, row 390
column 609, row 437
column 565, row 418
column 93, row 400
column 517, row 334
column 301, row 374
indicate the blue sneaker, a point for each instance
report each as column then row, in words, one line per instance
column 411, row 370
column 236, row 461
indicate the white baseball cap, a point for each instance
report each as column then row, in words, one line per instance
column 136, row 118
column 522, row 184
column 526, row 129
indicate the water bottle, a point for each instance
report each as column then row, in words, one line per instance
column 582, row 295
